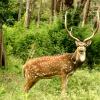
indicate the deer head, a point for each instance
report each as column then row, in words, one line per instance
column 80, row 53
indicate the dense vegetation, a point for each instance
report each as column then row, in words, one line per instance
column 47, row 38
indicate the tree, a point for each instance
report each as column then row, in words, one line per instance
column 3, row 17
column 20, row 3
column 27, row 16
column 85, row 12
column 53, row 9
column 29, row 10
column 38, row 15
column 0, row 43
column 58, row 5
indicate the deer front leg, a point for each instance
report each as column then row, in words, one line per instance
column 64, row 81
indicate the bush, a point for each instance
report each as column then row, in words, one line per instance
column 45, row 40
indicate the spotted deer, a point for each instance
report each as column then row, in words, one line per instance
column 61, row 65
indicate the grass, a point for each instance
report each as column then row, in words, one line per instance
column 83, row 85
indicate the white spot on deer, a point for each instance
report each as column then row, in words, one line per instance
column 28, row 76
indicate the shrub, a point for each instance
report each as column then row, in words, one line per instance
column 45, row 40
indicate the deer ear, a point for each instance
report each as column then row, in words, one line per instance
column 88, row 42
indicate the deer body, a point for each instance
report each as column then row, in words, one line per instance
column 45, row 67
column 50, row 65
column 61, row 65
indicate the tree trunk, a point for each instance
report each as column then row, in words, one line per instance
column 55, row 4
column 39, row 14
column 3, row 57
column 85, row 12
column 83, row 2
column 20, row 3
column 27, row 16
column 0, row 44
column 29, row 9
column 58, row 6
column 53, row 9
column 62, row 5
column 2, row 52
column 32, row 5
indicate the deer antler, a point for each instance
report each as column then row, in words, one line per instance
column 69, row 32
column 94, row 32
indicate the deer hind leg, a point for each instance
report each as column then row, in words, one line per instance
column 29, row 83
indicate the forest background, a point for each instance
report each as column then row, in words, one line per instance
column 34, row 28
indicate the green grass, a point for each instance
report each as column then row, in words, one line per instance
column 83, row 85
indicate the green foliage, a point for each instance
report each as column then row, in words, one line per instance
column 45, row 40
column 3, row 10
column 95, row 48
